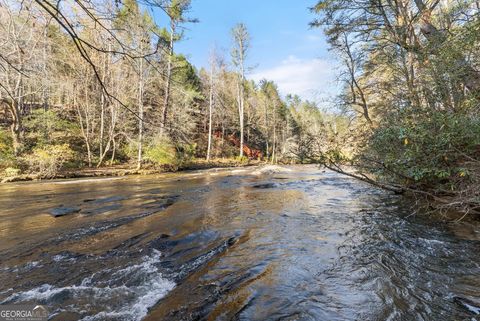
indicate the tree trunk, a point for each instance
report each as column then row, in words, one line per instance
column 84, row 131
column 16, row 129
column 241, row 111
column 140, row 114
column 166, row 100
column 274, row 145
column 113, row 151
column 102, row 108
column 267, row 152
column 274, row 132
column 210, row 109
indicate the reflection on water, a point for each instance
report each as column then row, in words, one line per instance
column 231, row 245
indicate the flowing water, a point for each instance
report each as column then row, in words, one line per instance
column 301, row 244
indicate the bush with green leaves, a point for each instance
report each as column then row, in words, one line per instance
column 7, row 156
column 161, row 152
column 11, row 172
column 429, row 149
column 48, row 160
column 242, row 159
column 186, row 152
column 43, row 126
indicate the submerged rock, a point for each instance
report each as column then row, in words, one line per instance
column 62, row 211
column 471, row 306
column 231, row 241
column 264, row 186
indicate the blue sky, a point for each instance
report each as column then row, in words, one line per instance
column 283, row 47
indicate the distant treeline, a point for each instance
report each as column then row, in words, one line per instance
column 86, row 84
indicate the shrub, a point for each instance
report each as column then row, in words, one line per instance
column 48, row 160
column 7, row 156
column 160, row 151
column 11, row 172
column 186, row 152
column 242, row 159
column 429, row 149
column 44, row 125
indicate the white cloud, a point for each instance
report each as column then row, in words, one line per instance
column 311, row 79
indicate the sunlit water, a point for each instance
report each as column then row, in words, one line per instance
column 233, row 245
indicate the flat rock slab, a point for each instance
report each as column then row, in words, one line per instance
column 265, row 185
column 62, row 211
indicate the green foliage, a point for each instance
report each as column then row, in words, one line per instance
column 7, row 156
column 42, row 126
column 186, row 152
column 127, row 11
column 428, row 149
column 160, row 151
column 11, row 172
column 177, row 8
column 48, row 160
column 334, row 156
column 185, row 73
column 242, row 159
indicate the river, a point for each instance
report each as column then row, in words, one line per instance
column 233, row 244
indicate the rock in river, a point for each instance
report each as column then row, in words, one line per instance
column 61, row 211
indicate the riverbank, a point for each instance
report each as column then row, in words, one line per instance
column 125, row 169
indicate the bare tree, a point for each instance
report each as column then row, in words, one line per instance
column 241, row 39
column 213, row 64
